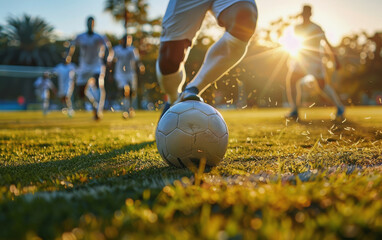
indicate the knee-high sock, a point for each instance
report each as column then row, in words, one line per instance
column 333, row 95
column 171, row 84
column 220, row 58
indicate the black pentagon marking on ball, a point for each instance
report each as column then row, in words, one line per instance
column 167, row 161
column 181, row 163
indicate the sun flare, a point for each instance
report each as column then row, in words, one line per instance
column 290, row 42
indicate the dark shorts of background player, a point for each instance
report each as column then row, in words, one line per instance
column 81, row 88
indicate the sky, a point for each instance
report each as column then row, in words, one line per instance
column 68, row 17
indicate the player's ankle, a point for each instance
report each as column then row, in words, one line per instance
column 193, row 90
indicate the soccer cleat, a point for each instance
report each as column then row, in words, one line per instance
column 189, row 94
column 186, row 96
column 292, row 115
column 340, row 112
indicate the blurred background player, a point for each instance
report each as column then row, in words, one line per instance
column 181, row 24
column 309, row 61
column 43, row 87
column 91, row 70
column 65, row 73
column 127, row 57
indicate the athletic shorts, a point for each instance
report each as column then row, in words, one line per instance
column 308, row 67
column 66, row 90
column 183, row 18
column 126, row 79
column 85, row 72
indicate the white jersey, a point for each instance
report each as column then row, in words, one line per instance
column 90, row 46
column 311, row 35
column 126, row 59
column 65, row 74
column 89, row 61
column 309, row 60
column 125, row 67
column 43, row 85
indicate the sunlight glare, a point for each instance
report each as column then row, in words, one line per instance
column 290, row 42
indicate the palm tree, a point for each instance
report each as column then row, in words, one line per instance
column 29, row 41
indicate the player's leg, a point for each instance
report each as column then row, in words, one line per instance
column 332, row 95
column 180, row 28
column 170, row 70
column 100, row 84
column 293, row 91
column 133, row 88
column 239, row 20
column 45, row 101
column 92, row 94
column 124, row 91
column 68, row 99
column 82, row 81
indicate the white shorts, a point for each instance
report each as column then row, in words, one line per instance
column 85, row 72
column 183, row 18
column 124, row 79
column 308, row 67
column 66, row 90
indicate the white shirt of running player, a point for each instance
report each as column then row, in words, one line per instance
column 91, row 46
column 43, row 84
column 65, row 74
column 127, row 59
column 312, row 35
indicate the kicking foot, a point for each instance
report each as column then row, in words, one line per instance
column 340, row 112
column 189, row 94
column 292, row 115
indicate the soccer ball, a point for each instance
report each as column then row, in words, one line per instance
column 189, row 132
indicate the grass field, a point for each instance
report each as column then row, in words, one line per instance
column 69, row 179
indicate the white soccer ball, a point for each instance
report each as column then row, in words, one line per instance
column 189, row 132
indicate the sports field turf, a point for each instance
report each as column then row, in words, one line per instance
column 64, row 178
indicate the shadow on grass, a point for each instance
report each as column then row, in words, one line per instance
column 96, row 165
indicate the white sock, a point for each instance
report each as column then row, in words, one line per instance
column 220, row 58
column 333, row 95
column 171, row 84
